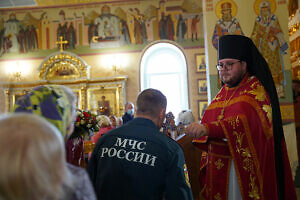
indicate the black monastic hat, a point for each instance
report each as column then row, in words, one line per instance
column 242, row 48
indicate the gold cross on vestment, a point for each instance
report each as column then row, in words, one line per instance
column 61, row 42
column 219, row 164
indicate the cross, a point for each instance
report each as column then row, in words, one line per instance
column 61, row 43
column 219, row 164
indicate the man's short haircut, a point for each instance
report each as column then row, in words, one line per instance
column 150, row 102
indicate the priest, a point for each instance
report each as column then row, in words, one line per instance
column 241, row 135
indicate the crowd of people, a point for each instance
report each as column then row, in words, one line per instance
column 44, row 157
column 244, row 155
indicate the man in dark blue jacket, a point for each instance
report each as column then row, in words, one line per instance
column 129, row 112
column 137, row 161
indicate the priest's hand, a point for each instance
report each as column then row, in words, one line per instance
column 196, row 130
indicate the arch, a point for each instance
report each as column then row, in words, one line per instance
column 63, row 65
column 163, row 66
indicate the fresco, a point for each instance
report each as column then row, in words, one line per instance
column 90, row 27
column 227, row 24
column 269, row 39
column 266, row 34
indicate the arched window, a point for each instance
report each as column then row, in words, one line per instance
column 163, row 67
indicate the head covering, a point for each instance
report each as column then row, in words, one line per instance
column 264, row 4
column 242, row 48
column 234, row 46
column 185, row 117
column 226, row 6
column 50, row 102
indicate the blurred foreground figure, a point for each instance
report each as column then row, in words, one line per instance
column 56, row 104
column 32, row 159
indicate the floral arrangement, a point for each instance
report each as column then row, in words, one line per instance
column 87, row 120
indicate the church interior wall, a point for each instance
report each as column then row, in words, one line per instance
column 47, row 20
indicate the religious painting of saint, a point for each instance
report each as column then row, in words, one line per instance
column 202, row 105
column 195, row 32
column 227, row 24
column 103, row 100
column 107, row 32
column 71, row 37
column 125, row 32
column 268, row 37
column 170, row 28
column 11, row 29
column 181, row 28
column 63, row 70
column 200, row 63
column 89, row 27
column 202, row 86
column 162, row 27
column 62, row 29
column 104, row 107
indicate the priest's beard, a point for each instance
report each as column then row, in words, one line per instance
column 265, row 16
column 234, row 80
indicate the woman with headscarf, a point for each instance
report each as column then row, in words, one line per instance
column 56, row 104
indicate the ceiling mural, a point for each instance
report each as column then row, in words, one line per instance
column 94, row 27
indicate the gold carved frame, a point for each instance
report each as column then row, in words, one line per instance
column 114, row 94
column 65, row 68
column 87, row 92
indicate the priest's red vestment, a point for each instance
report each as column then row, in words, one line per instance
column 239, row 124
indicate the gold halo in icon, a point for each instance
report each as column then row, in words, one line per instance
column 258, row 2
column 221, row 3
